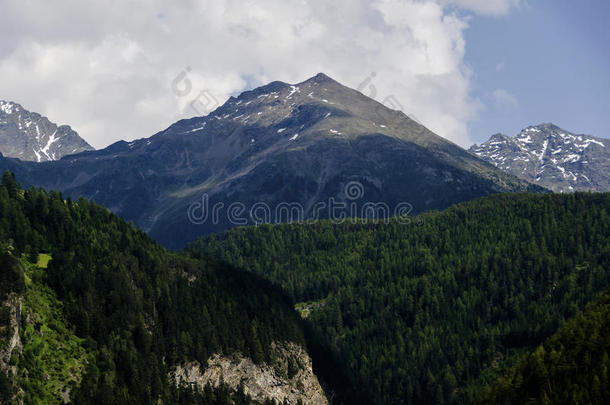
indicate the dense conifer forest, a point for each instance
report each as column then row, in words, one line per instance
column 571, row 367
column 433, row 311
column 504, row 299
column 123, row 305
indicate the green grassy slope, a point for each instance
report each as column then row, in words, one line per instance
column 54, row 358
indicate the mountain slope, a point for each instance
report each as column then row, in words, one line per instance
column 551, row 157
column 431, row 311
column 113, row 314
column 279, row 144
column 29, row 136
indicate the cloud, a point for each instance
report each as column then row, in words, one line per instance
column 106, row 67
column 505, row 101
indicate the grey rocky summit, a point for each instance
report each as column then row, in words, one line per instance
column 551, row 157
column 29, row 136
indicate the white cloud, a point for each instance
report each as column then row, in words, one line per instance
column 504, row 100
column 106, row 67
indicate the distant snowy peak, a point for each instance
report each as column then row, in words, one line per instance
column 29, row 136
column 551, row 157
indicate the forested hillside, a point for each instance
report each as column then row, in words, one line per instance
column 571, row 367
column 432, row 311
column 465, row 305
column 118, row 309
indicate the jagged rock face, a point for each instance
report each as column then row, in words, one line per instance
column 260, row 381
column 27, row 135
column 10, row 341
column 300, row 144
column 11, row 329
column 551, row 157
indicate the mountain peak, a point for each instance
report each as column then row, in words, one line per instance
column 9, row 107
column 547, row 128
column 30, row 136
column 552, row 157
column 548, row 125
column 279, row 114
column 277, row 86
column 319, row 78
column 499, row 137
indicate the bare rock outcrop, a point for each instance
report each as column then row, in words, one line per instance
column 11, row 330
column 290, row 378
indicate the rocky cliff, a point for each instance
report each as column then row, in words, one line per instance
column 10, row 343
column 290, row 378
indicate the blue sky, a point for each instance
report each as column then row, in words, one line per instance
column 553, row 57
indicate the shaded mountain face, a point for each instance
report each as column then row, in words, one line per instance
column 551, row 157
column 274, row 154
column 29, row 136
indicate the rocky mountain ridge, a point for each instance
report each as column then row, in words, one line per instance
column 551, row 157
column 29, row 136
